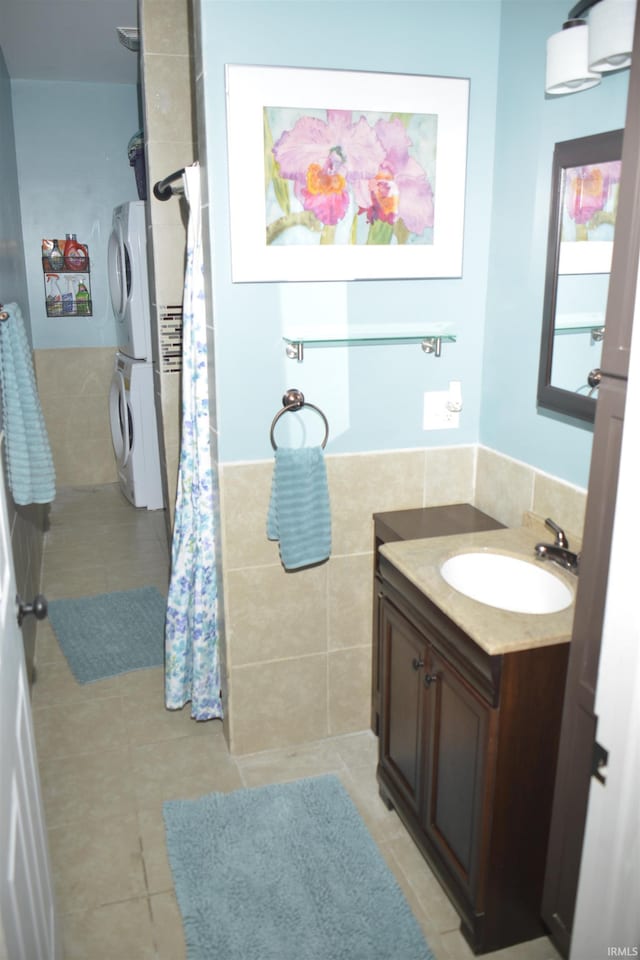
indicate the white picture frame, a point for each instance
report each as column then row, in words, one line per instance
column 406, row 136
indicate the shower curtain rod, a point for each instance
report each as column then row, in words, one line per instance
column 163, row 190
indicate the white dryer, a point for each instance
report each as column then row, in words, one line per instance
column 129, row 279
column 134, row 432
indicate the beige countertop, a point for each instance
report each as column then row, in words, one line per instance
column 496, row 631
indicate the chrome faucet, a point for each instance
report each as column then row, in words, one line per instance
column 558, row 551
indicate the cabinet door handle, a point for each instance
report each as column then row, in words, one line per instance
column 430, row 678
column 417, row 664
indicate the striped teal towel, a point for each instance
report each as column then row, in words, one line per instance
column 299, row 515
column 29, row 462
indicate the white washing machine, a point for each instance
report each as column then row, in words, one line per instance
column 133, row 431
column 129, row 279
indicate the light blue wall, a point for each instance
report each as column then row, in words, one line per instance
column 373, row 396
column 528, row 126
column 13, row 286
column 73, row 169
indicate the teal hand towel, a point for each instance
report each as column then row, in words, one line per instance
column 299, row 515
column 29, row 463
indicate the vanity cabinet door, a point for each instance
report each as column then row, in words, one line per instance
column 401, row 734
column 456, row 793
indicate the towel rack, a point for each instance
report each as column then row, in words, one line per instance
column 294, row 400
column 163, row 190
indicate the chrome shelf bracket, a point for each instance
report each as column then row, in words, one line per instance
column 295, row 351
column 433, row 345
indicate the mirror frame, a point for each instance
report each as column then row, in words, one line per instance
column 600, row 148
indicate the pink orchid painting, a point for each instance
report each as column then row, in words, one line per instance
column 340, row 175
column 349, row 177
column 591, row 201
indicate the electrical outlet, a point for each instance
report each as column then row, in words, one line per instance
column 436, row 414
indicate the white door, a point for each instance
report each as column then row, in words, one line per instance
column 28, row 929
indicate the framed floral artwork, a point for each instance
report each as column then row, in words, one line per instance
column 340, row 175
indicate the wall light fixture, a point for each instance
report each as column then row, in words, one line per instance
column 582, row 51
column 568, row 60
column 611, row 34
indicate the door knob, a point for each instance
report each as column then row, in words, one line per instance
column 594, row 378
column 417, row 663
column 430, row 678
column 38, row 608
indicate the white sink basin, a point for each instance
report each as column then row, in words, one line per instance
column 507, row 582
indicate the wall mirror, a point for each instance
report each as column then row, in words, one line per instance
column 584, row 199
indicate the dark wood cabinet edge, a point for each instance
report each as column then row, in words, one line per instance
column 579, row 722
column 376, row 653
column 567, row 829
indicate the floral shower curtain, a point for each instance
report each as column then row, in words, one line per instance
column 192, row 662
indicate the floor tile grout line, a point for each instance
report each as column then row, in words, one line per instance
column 106, row 903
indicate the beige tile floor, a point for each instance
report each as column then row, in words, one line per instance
column 109, row 754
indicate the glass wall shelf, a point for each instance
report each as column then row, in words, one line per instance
column 592, row 323
column 430, row 340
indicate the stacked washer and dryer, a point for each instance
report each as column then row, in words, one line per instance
column 131, row 399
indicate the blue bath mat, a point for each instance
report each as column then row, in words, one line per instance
column 111, row 633
column 286, row 872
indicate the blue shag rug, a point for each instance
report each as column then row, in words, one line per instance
column 286, row 872
column 111, row 633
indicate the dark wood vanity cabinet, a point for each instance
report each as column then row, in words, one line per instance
column 415, row 524
column 467, row 756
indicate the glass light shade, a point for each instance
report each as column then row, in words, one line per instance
column 611, row 34
column 567, row 60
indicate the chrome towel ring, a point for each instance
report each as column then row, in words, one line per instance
column 294, row 400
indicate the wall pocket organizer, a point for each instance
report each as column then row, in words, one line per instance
column 66, row 268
